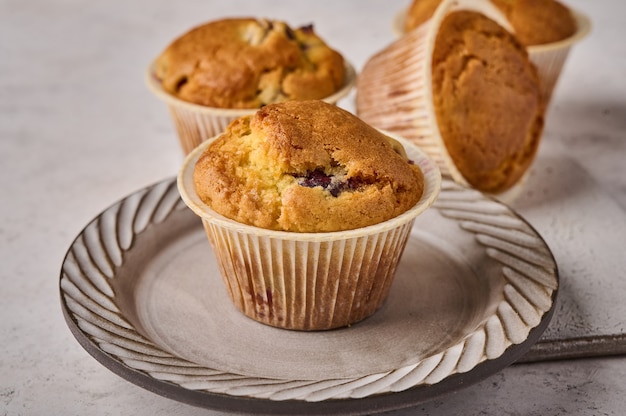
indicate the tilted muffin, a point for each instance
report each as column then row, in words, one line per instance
column 462, row 88
column 547, row 28
column 535, row 22
column 306, row 166
column 247, row 63
column 487, row 100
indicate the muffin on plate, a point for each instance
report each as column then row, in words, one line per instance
column 307, row 167
column 230, row 67
column 308, row 210
column 466, row 92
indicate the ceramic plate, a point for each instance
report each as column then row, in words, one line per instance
column 141, row 292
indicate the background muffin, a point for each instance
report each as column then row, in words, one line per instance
column 547, row 28
column 461, row 87
column 487, row 100
column 535, row 22
column 306, row 166
column 247, row 63
column 419, row 12
column 229, row 68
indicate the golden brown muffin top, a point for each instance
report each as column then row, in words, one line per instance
column 247, row 63
column 487, row 100
column 419, row 12
column 535, row 22
column 306, row 166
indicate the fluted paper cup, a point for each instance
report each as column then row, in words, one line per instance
column 548, row 58
column 308, row 281
column 551, row 57
column 195, row 123
column 394, row 90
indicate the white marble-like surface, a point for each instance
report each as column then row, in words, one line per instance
column 79, row 130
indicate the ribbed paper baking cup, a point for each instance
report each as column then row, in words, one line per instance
column 548, row 58
column 394, row 90
column 195, row 123
column 308, row 281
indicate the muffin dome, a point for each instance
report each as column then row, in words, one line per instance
column 535, row 22
column 247, row 63
column 306, row 166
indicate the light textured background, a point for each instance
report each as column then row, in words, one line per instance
column 79, row 130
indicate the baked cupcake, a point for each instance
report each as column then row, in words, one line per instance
column 547, row 28
column 419, row 12
column 487, row 101
column 535, row 22
column 467, row 93
column 226, row 68
column 308, row 210
column 306, row 166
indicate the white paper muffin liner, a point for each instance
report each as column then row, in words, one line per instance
column 195, row 123
column 308, row 281
column 549, row 58
column 394, row 91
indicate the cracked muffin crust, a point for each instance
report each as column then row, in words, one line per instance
column 306, row 166
column 247, row 63
column 487, row 100
column 535, row 22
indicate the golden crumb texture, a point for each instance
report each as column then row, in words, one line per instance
column 535, row 22
column 248, row 62
column 487, row 100
column 306, row 166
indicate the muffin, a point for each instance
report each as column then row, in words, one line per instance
column 487, row 101
column 547, row 28
column 535, row 22
column 307, row 210
column 461, row 87
column 247, row 63
column 418, row 13
column 226, row 68
column 306, row 166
